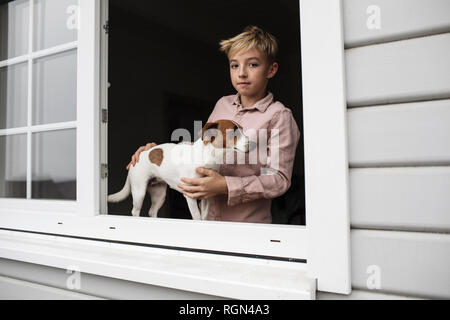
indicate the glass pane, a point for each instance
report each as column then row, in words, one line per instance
column 14, row 22
column 13, row 96
column 13, row 166
column 55, row 23
column 54, row 165
column 55, row 88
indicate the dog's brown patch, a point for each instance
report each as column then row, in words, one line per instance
column 222, row 126
column 156, row 156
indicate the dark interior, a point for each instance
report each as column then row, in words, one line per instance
column 166, row 71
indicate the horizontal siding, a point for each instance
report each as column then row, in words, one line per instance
column 401, row 71
column 92, row 285
column 403, row 134
column 415, row 198
column 13, row 289
column 363, row 295
column 398, row 91
column 399, row 19
column 410, row 263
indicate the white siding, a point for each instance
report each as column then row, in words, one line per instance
column 32, row 281
column 363, row 295
column 400, row 71
column 400, row 134
column 410, row 263
column 13, row 289
column 42, row 282
column 400, row 19
column 398, row 90
column 404, row 198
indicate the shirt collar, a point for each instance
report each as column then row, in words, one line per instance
column 261, row 105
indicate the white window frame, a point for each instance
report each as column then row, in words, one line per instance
column 323, row 243
column 30, row 204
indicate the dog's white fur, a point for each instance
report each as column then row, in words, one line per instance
column 179, row 160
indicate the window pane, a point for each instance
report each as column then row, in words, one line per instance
column 14, row 22
column 13, row 96
column 55, row 88
column 13, row 166
column 54, row 165
column 55, row 22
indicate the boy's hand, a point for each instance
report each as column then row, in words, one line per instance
column 135, row 157
column 205, row 187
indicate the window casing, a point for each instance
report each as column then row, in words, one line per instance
column 39, row 104
column 323, row 243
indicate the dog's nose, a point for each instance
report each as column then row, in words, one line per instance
column 251, row 146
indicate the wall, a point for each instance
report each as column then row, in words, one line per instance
column 20, row 280
column 398, row 91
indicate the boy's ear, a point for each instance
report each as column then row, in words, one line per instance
column 273, row 69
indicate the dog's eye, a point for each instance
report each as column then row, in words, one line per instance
column 213, row 138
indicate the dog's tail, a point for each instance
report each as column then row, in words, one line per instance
column 122, row 194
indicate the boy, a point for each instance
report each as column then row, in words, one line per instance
column 243, row 192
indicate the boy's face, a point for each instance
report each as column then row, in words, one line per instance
column 250, row 72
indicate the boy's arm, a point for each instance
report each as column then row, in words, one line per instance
column 278, row 180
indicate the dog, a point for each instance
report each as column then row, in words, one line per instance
column 164, row 165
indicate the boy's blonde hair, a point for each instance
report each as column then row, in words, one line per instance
column 251, row 37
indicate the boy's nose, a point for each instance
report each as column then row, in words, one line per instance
column 242, row 72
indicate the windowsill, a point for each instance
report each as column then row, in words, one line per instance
column 212, row 274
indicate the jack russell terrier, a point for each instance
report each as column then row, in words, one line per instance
column 167, row 163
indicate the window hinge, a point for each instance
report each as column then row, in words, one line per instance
column 106, row 27
column 104, row 171
column 105, row 115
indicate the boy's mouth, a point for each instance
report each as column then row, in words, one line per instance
column 243, row 83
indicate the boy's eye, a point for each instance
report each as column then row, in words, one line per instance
column 253, row 65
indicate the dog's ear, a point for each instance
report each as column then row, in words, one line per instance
column 210, row 133
column 209, row 125
column 236, row 125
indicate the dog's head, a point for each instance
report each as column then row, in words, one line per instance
column 225, row 134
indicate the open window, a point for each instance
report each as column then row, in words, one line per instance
column 131, row 73
column 49, row 83
column 166, row 72
column 38, row 104
column 162, row 70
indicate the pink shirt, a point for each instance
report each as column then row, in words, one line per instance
column 250, row 186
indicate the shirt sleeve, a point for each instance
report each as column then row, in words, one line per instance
column 275, row 178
